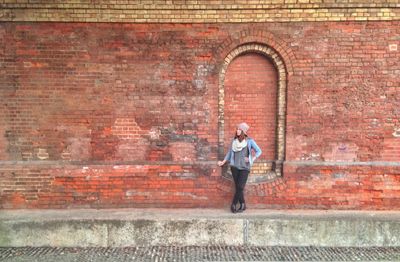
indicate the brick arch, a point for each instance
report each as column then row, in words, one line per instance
column 276, row 167
column 260, row 37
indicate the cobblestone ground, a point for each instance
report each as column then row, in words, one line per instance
column 210, row 253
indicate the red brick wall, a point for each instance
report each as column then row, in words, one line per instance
column 126, row 115
column 251, row 97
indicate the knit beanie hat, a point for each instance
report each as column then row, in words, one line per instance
column 244, row 127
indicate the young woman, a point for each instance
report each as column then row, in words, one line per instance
column 241, row 159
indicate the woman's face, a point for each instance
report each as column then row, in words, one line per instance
column 238, row 132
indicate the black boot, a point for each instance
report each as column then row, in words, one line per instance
column 233, row 208
column 242, row 207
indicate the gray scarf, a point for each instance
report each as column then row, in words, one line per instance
column 238, row 146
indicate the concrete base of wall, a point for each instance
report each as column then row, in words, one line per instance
column 143, row 227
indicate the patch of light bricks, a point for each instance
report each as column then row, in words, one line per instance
column 197, row 253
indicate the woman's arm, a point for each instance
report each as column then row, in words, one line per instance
column 228, row 155
column 257, row 149
column 226, row 158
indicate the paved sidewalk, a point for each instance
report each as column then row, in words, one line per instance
column 193, row 253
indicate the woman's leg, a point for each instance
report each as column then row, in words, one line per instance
column 235, row 175
column 242, row 179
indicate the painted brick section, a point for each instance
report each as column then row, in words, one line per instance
column 341, row 187
column 126, row 115
column 107, row 186
column 204, row 11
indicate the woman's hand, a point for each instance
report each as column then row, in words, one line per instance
column 221, row 163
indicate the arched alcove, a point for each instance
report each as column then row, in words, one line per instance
column 252, row 88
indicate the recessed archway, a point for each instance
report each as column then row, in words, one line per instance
column 269, row 167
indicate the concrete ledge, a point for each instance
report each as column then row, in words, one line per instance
column 200, row 227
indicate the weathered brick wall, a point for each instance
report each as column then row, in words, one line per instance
column 127, row 115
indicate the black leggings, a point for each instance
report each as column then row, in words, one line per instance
column 240, row 178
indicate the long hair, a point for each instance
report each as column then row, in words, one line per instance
column 240, row 137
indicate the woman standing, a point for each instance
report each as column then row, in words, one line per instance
column 241, row 159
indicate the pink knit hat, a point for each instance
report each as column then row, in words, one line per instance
column 244, row 127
